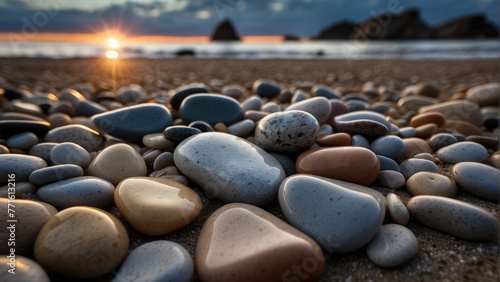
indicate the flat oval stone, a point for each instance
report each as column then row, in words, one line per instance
column 425, row 89
column 229, row 168
column 12, row 127
column 31, row 216
column 352, row 164
column 116, row 163
column 414, row 103
column 55, row 173
column 479, row 179
column 78, row 191
column 397, row 210
column 134, row 122
column 23, row 141
column 235, row 91
column 360, row 141
column 88, row 138
column 393, row 245
column 212, row 108
column 427, row 118
column 457, row 218
column 70, row 153
column 324, row 91
column 177, row 133
column 43, row 150
column 339, row 219
column 298, row 95
column 81, row 242
column 270, row 107
column 20, row 165
column 336, row 139
column 157, row 261
column 236, row 240
column 414, row 146
column 266, row 88
column 411, row 166
column 389, row 146
column 465, row 151
column 156, row 206
column 291, row 131
column 407, row 132
column 364, row 115
column 365, row 127
column 387, row 163
column 431, row 183
column 132, row 94
column 484, row 95
column 489, row 142
column 441, row 140
column 425, row 131
column 242, row 128
column 252, row 103
column 26, row 270
column 184, row 91
column 157, row 141
column 89, row 108
column 454, row 110
column 319, row 107
column 390, row 179
column 165, row 159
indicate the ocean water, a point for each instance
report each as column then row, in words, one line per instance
column 342, row 49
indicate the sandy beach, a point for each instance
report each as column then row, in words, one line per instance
column 441, row 257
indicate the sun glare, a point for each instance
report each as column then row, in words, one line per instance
column 111, row 54
column 112, row 43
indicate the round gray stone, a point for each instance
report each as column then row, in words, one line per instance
column 431, row 183
column 177, row 133
column 411, row 166
column 393, row 245
column 389, row 146
column 252, row 103
column 163, row 160
column 26, row 269
column 360, row 141
column 70, row 153
column 441, row 140
column 479, row 179
column 242, row 128
column 319, row 107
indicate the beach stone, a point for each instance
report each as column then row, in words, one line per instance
column 59, row 119
column 287, row 163
column 425, row 89
column 134, row 122
column 291, row 131
column 491, row 123
column 425, row 131
column 157, row 261
column 270, row 107
column 391, row 179
column 54, row 173
column 463, row 127
column 177, row 133
column 88, row 138
column 150, row 155
column 116, row 163
column 164, row 160
column 360, row 141
column 31, row 216
column 220, row 127
column 393, row 245
column 255, row 116
column 397, row 210
column 211, row 108
column 26, row 269
column 13, row 127
column 184, row 91
column 427, row 118
column 461, row 110
column 365, row 127
column 22, row 188
column 89, row 108
column 407, row 132
column 4, row 150
column 352, row 164
column 43, row 150
column 414, row 146
column 324, row 91
column 465, row 151
column 242, row 128
column 157, row 141
column 202, row 126
column 495, row 159
column 364, row 115
column 13, row 93
column 78, row 191
column 235, row 91
column 70, row 153
column 71, row 95
column 229, row 168
column 131, row 94
column 389, row 146
column 387, row 163
column 479, row 179
column 20, row 165
column 431, row 183
column 414, row 103
column 65, row 247
column 155, row 206
column 236, row 240
column 63, row 107
column 490, row 142
column 339, row 219
column 336, row 139
column 484, row 95
column 356, row 105
column 325, row 129
column 425, row 156
column 441, row 140
column 454, row 217
column 23, row 141
column 411, row 166
column 338, row 108
column 252, row 103
column 298, row 95
column 266, row 88
column 26, row 108
column 319, row 107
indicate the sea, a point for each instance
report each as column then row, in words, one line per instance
column 340, row 49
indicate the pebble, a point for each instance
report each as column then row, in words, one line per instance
column 270, row 107
column 484, row 95
column 177, row 133
column 64, row 246
column 266, row 88
column 291, row 131
column 430, row 183
column 78, row 191
column 490, row 142
column 236, row 240
column 479, row 179
column 360, row 141
column 338, row 108
column 411, row 166
column 88, row 138
column 356, row 187
column 461, row 110
column 202, row 126
column 89, row 108
column 229, row 168
column 134, row 122
column 23, row 141
column 425, row 131
column 414, row 146
column 391, row 179
column 298, row 95
column 441, row 140
column 21, row 189
column 184, row 91
column 157, row 141
column 211, row 108
column 393, row 245
column 26, row 269
column 43, row 150
column 465, row 151
column 463, row 127
column 157, row 261
column 388, row 146
column 364, row 115
column 339, row 219
column 427, row 118
column 352, row 164
column 287, row 163
column 164, row 160
column 131, row 94
column 387, row 163
column 30, row 216
column 20, row 165
column 234, row 91
column 324, row 91
column 155, row 206
column 397, row 210
column 4, row 150
column 365, row 127
column 414, row 103
column 325, row 129
column 425, row 156
column 13, row 127
column 70, row 153
column 319, row 107
column 454, row 217
column 252, row 103
column 336, row 139
column 255, row 116
column 425, row 89
column 54, row 173
column 242, row 128
column 26, row 108
column 116, row 163
column 407, row 132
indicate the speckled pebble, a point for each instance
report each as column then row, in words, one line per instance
column 20, row 165
column 441, row 140
column 479, row 179
column 177, row 133
column 211, row 108
column 390, row 179
column 465, row 151
column 88, row 138
column 411, row 166
column 319, row 107
column 43, row 150
column 397, row 210
column 365, row 127
column 393, row 245
column 55, row 173
column 70, row 153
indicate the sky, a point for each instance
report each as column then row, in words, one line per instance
column 198, row 17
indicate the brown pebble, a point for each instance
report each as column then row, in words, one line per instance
column 220, row 127
column 425, row 89
column 489, row 142
column 426, row 118
column 336, row 139
column 463, row 127
column 413, row 146
column 425, row 131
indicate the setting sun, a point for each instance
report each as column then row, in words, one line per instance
column 112, row 43
column 111, row 54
